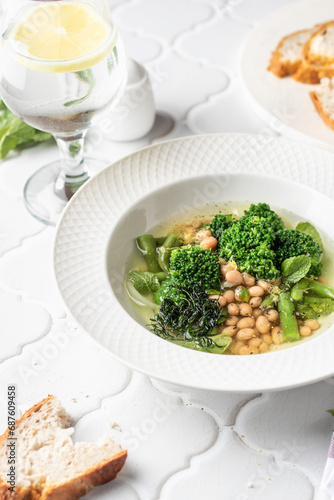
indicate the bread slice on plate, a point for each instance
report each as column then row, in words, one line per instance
column 313, row 73
column 319, row 48
column 287, row 57
column 49, row 466
column 323, row 100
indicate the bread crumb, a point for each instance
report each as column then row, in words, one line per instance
column 115, row 426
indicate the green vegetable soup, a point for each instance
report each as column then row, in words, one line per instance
column 233, row 279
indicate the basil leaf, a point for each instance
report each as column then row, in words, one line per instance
column 144, row 282
column 296, row 268
column 306, row 227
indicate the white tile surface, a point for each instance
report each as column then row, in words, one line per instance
column 182, row 444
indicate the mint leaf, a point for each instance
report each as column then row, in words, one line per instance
column 14, row 133
column 306, row 227
column 331, row 412
column 296, row 268
column 144, row 282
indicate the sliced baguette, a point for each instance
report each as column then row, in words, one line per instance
column 323, row 100
column 48, row 465
column 319, row 48
column 287, row 57
column 313, row 73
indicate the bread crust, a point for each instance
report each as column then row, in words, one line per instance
column 321, row 111
column 317, row 59
column 281, row 67
column 69, row 490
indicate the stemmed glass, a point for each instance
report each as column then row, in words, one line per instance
column 62, row 62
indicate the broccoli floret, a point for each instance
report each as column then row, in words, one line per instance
column 194, row 266
column 291, row 242
column 169, row 288
column 219, row 223
column 249, row 241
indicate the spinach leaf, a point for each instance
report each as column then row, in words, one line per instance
column 215, row 345
column 296, row 268
column 306, row 227
column 143, row 281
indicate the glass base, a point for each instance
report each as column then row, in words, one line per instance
column 47, row 191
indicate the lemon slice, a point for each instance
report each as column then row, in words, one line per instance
column 62, row 37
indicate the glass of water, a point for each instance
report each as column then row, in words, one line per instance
column 62, row 62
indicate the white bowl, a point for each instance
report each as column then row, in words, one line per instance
column 96, row 237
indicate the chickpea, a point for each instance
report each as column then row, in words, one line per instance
column 271, row 315
column 232, row 321
column 263, row 284
column 248, row 350
column 305, row 331
column 237, row 346
column 263, row 347
column 245, row 334
column 255, row 301
column 234, row 277
column 222, row 261
column 255, row 342
column 322, row 280
column 229, row 296
column 233, row 309
column 266, row 337
column 248, row 279
column 257, row 312
column 209, row 242
column 262, row 324
column 197, row 224
column 204, row 233
column 256, row 291
column 220, row 298
column 245, row 309
column 227, row 268
column 246, row 322
column 313, row 324
column 277, row 335
column 229, row 331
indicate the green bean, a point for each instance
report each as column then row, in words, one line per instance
column 315, row 287
column 146, row 245
column 165, row 250
column 160, row 240
column 267, row 302
column 287, row 317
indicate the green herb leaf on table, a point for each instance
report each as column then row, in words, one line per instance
column 296, row 268
column 14, row 133
column 331, row 412
column 144, row 282
column 306, row 227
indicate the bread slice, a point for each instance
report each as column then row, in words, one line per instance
column 287, row 57
column 48, row 465
column 319, row 48
column 323, row 100
column 313, row 73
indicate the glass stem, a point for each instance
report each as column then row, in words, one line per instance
column 73, row 169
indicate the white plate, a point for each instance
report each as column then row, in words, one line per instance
column 284, row 103
column 91, row 226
